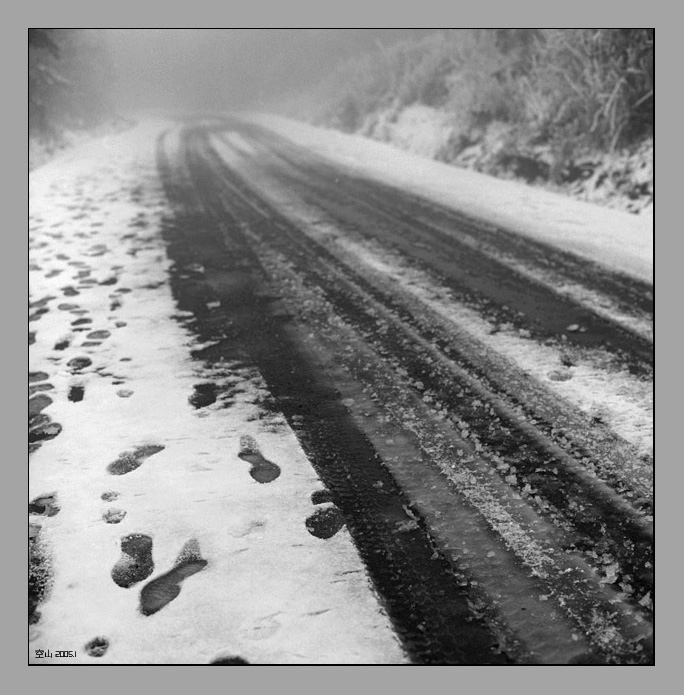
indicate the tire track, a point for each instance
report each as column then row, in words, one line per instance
column 288, row 238
column 592, row 509
column 429, row 609
column 248, row 223
column 626, row 291
column 551, row 419
column 463, row 252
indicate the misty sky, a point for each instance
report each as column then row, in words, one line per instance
column 230, row 68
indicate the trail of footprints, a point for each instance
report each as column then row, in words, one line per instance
column 40, row 426
column 325, row 522
column 136, row 563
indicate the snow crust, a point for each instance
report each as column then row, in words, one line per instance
column 271, row 592
column 615, row 239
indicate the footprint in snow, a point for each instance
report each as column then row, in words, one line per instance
column 42, row 428
column 40, row 425
column 129, row 461
column 37, row 388
column 38, row 403
column 165, row 588
column 135, row 563
column 76, row 393
column 45, row 505
column 37, row 376
column 327, row 520
column 263, row 471
column 114, row 516
column 79, row 363
column 98, row 335
column 35, row 316
column 229, row 661
column 97, row 647
column 62, row 344
column 205, row 394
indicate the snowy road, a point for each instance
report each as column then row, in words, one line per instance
column 451, row 420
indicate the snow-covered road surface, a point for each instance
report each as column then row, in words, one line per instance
column 285, row 413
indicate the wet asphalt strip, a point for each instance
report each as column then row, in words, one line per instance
column 430, row 611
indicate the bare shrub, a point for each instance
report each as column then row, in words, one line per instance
column 593, row 85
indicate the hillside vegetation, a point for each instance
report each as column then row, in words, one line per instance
column 570, row 109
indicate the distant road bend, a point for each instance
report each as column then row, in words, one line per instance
column 436, row 371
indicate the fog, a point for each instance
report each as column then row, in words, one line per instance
column 200, row 69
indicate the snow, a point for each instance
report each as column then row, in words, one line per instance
column 623, row 401
column 239, row 143
column 617, row 240
column 271, row 592
column 418, row 129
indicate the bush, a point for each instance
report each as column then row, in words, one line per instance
column 570, row 89
column 595, row 85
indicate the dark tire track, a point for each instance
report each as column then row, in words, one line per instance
column 219, row 222
column 592, row 510
column 437, row 237
column 626, row 291
column 428, row 608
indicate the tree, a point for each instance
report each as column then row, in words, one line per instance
column 69, row 71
